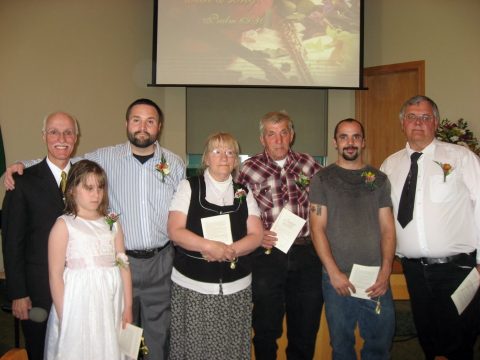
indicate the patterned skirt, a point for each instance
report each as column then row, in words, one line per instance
column 210, row 326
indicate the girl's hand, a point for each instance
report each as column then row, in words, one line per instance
column 127, row 317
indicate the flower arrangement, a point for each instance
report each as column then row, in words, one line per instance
column 303, row 180
column 369, row 178
column 458, row 133
column 111, row 219
column 121, row 260
column 240, row 193
column 163, row 167
column 446, row 168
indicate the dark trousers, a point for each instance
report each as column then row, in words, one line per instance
column 441, row 331
column 34, row 334
column 39, row 292
column 292, row 284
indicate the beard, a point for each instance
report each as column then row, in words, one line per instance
column 141, row 143
column 350, row 157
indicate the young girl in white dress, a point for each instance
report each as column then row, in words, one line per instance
column 89, row 276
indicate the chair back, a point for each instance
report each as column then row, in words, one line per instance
column 15, row 354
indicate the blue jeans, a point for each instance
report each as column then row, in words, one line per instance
column 292, row 284
column 344, row 312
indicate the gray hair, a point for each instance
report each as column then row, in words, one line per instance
column 45, row 119
column 275, row 117
column 417, row 99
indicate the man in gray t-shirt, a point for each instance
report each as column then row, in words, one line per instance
column 352, row 223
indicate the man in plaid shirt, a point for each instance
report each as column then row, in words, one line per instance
column 283, row 283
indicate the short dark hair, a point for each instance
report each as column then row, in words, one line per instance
column 78, row 176
column 350, row 120
column 143, row 101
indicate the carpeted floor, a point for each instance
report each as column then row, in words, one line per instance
column 405, row 345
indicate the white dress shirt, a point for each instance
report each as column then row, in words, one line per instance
column 56, row 171
column 217, row 192
column 446, row 217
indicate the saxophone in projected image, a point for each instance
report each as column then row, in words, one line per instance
column 262, row 42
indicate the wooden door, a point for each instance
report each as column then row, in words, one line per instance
column 388, row 87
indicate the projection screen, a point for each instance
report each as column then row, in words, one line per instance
column 278, row 43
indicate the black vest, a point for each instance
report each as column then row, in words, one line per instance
column 191, row 263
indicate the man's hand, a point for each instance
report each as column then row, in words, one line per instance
column 20, row 308
column 12, row 169
column 380, row 287
column 341, row 284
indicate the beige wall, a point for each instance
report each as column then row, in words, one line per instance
column 92, row 58
column 444, row 33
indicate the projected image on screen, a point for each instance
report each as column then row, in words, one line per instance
column 312, row 43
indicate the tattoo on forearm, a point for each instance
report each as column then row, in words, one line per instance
column 315, row 208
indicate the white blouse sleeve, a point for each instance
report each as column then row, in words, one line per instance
column 181, row 198
column 252, row 206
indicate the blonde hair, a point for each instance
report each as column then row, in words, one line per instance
column 221, row 138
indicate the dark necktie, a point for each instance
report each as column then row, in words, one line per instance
column 63, row 181
column 407, row 200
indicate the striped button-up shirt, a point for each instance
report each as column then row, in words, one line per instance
column 136, row 192
column 276, row 188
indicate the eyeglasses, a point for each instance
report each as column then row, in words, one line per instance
column 228, row 153
column 422, row 118
column 54, row 133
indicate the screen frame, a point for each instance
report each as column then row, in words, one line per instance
column 154, row 83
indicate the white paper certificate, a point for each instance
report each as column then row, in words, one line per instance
column 287, row 226
column 129, row 340
column 466, row 291
column 362, row 277
column 217, row 228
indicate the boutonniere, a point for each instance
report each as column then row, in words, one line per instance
column 303, row 180
column 111, row 219
column 163, row 167
column 446, row 168
column 121, row 260
column 240, row 193
column 369, row 179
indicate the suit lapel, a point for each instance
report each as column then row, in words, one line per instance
column 49, row 183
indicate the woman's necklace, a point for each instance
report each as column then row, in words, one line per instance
column 221, row 190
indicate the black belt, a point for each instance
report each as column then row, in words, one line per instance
column 444, row 260
column 303, row 240
column 146, row 254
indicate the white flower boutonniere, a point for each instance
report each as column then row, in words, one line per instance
column 121, row 260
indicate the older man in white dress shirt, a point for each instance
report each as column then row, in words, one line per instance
column 436, row 199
